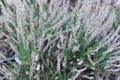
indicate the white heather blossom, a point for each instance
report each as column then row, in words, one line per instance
column 35, row 56
column 38, row 67
column 57, row 35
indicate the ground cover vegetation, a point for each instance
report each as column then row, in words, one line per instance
column 59, row 40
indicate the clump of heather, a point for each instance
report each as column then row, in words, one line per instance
column 56, row 40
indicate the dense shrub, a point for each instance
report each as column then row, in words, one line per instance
column 57, row 41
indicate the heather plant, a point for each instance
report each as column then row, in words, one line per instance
column 54, row 40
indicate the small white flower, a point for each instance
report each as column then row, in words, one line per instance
column 71, row 62
column 38, row 67
column 27, row 73
column 76, row 48
column 56, row 78
column 35, row 56
column 80, row 62
column 18, row 60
